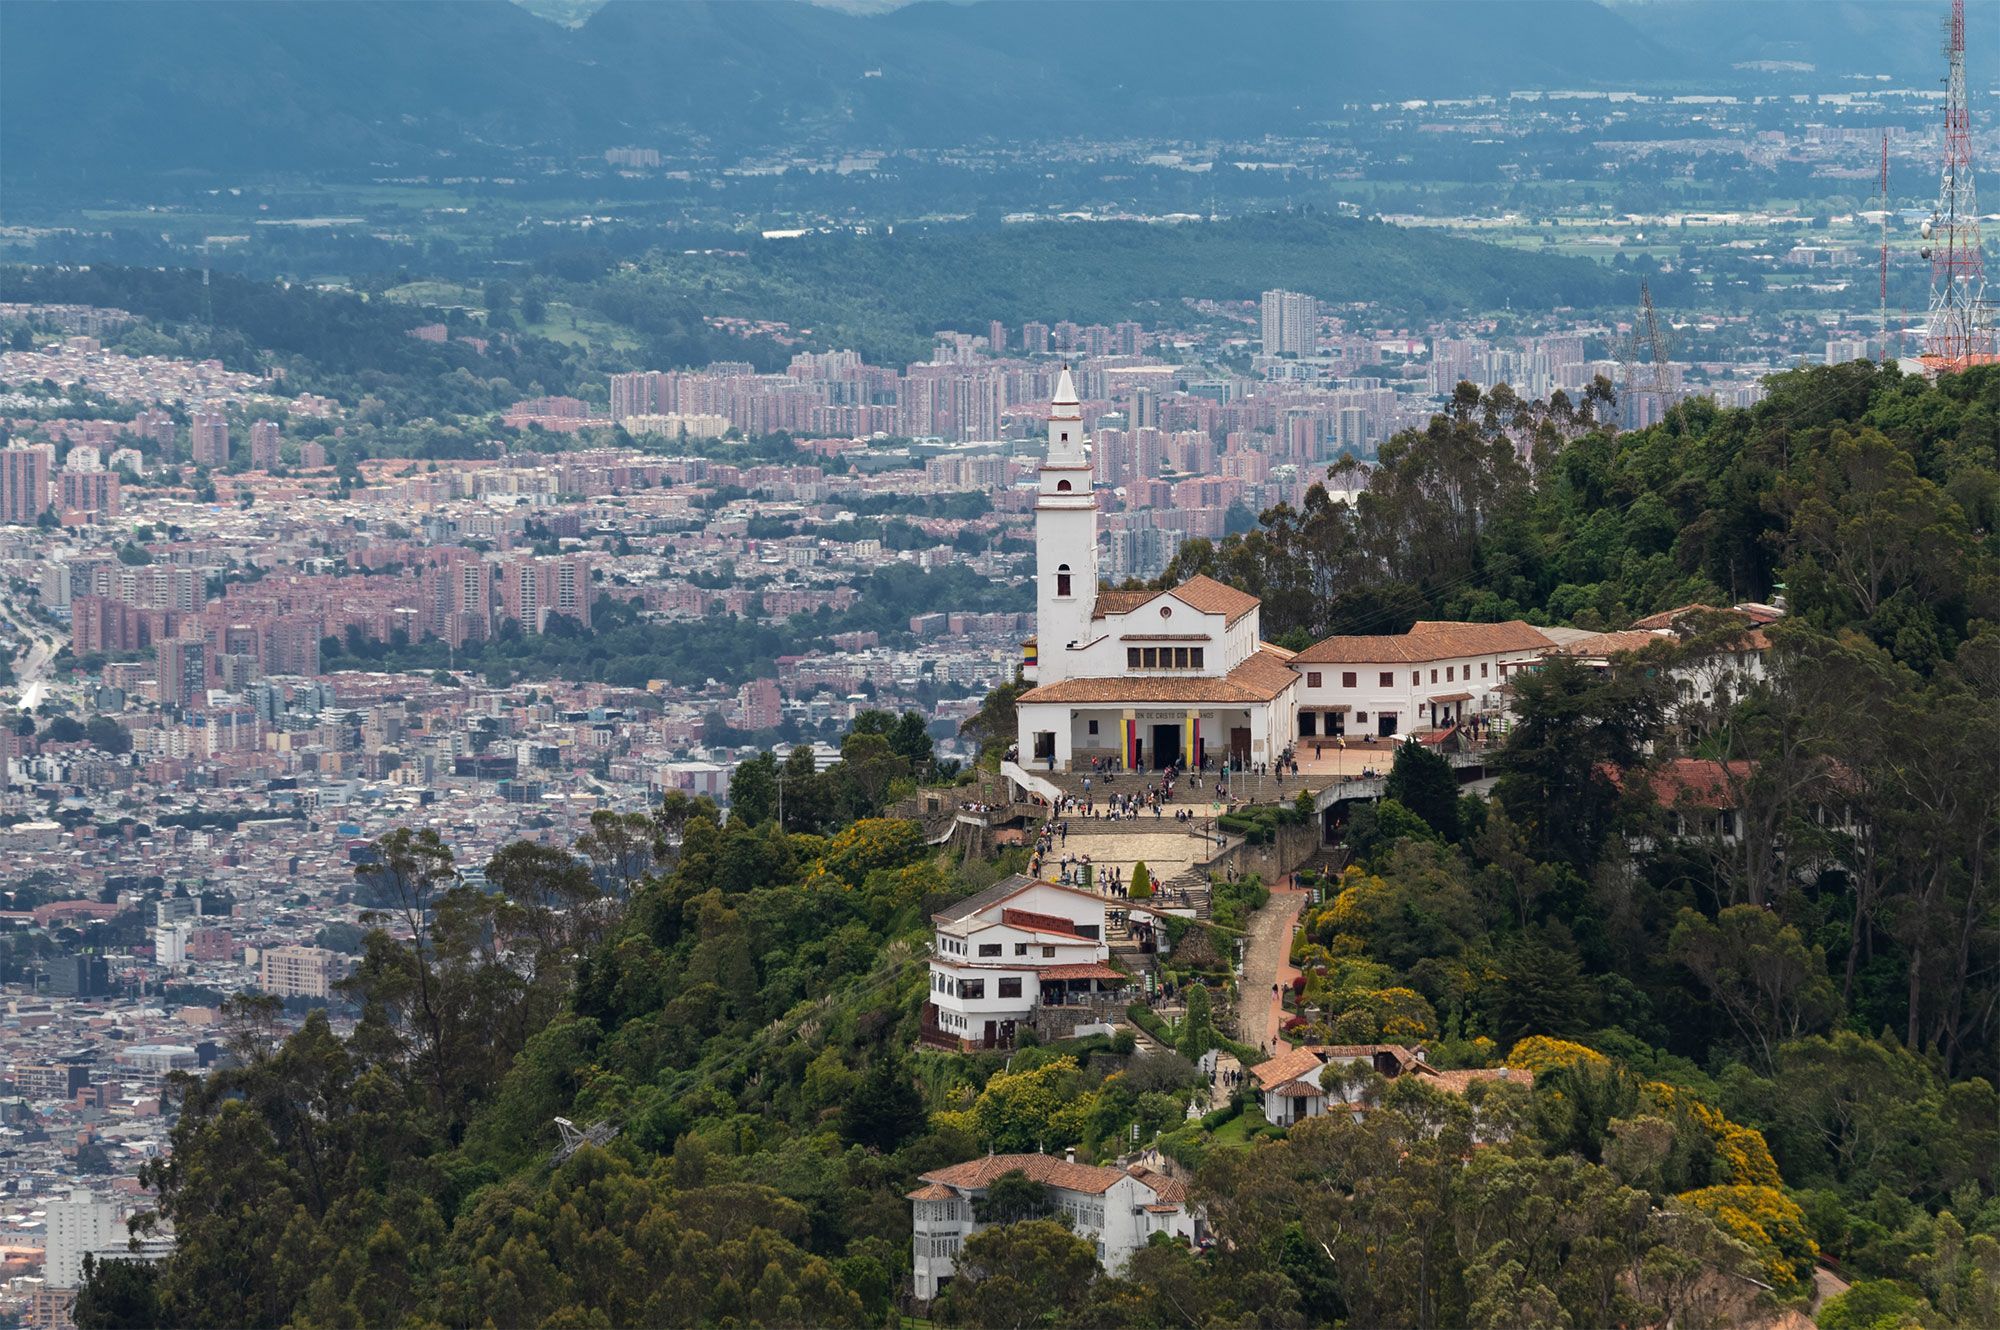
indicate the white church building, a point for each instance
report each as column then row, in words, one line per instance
column 1139, row 679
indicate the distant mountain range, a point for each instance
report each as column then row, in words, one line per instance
column 96, row 91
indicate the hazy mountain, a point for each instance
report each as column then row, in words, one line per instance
column 91, row 92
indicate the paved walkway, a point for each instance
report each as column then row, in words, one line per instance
column 1266, row 961
column 1168, row 848
column 1218, row 1093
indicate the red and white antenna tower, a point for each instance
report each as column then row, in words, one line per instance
column 1955, row 335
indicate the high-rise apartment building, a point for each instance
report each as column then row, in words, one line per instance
column 80, row 1224
column 94, row 492
column 208, row 440
column 532, row 589
column 264, row 436
column 24, row 482
column 182, row 671
column 308, row 972
column 1290, row 323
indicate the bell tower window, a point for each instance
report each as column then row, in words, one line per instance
column 1062, row 580
column 1062, row 487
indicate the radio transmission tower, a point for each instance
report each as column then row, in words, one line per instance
column 1955, row 335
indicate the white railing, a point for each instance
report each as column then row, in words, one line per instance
column 1032, row 783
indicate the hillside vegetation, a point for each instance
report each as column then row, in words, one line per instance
column 1750, row 1053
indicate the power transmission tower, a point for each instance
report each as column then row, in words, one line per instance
column 1654, row 376
column 207, row 305
column 1956, row 334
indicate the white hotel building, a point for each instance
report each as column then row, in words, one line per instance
column 1017, row 946
column 1117, row 1211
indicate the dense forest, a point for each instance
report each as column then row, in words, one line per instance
column 1755, row 1056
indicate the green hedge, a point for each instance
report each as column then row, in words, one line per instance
column 1259, row 823
column 1151, row 1022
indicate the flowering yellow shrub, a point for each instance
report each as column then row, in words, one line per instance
column 1539, row 1053
column 1404, row 1014
column 1770, row 1223
column 1743, row 1150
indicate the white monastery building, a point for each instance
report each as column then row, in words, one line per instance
column 1143, row 679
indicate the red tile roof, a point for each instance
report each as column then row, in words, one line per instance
column 1040, row 923
column 977, row 1174
column 1262, row 676
column 1171, row 1190
column 1693, row 782
column 1213, row 597
column 1612, row 644
column 1428, row 640
column 931, row 1192
column 1666, row 618
column 1201, row 593
column 1119, row 602
column 1092, row 970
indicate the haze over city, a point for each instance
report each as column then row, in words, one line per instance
column 999, row 664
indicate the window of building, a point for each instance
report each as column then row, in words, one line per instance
column 1062, row 487
column 1131, row 658
column 1434, row 675
column 1386, row 680
column 1482, row 669
column 972, row 988
column 1010, row 988
column 1020, row 948
column 1449, row 675
column 1065, row 437
column 1048, row 953
column 1360, row 716
column 1062, row 580
column 1194, row 657
column 1416, row 678
column 1347, row 679
column 1180, row 658
column 1150, row 658
column 989, row 948
column 1312, row 678
column 1093, row 727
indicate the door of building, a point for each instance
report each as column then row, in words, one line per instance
column 1166, row 746
column 1385, row 723
column 992, row 1033
column 1239, row 747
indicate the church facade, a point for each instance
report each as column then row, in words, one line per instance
column 1139, row 680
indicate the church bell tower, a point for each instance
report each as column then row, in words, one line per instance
column 1065, row 540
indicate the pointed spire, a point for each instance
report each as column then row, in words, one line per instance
column 1065, row 391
